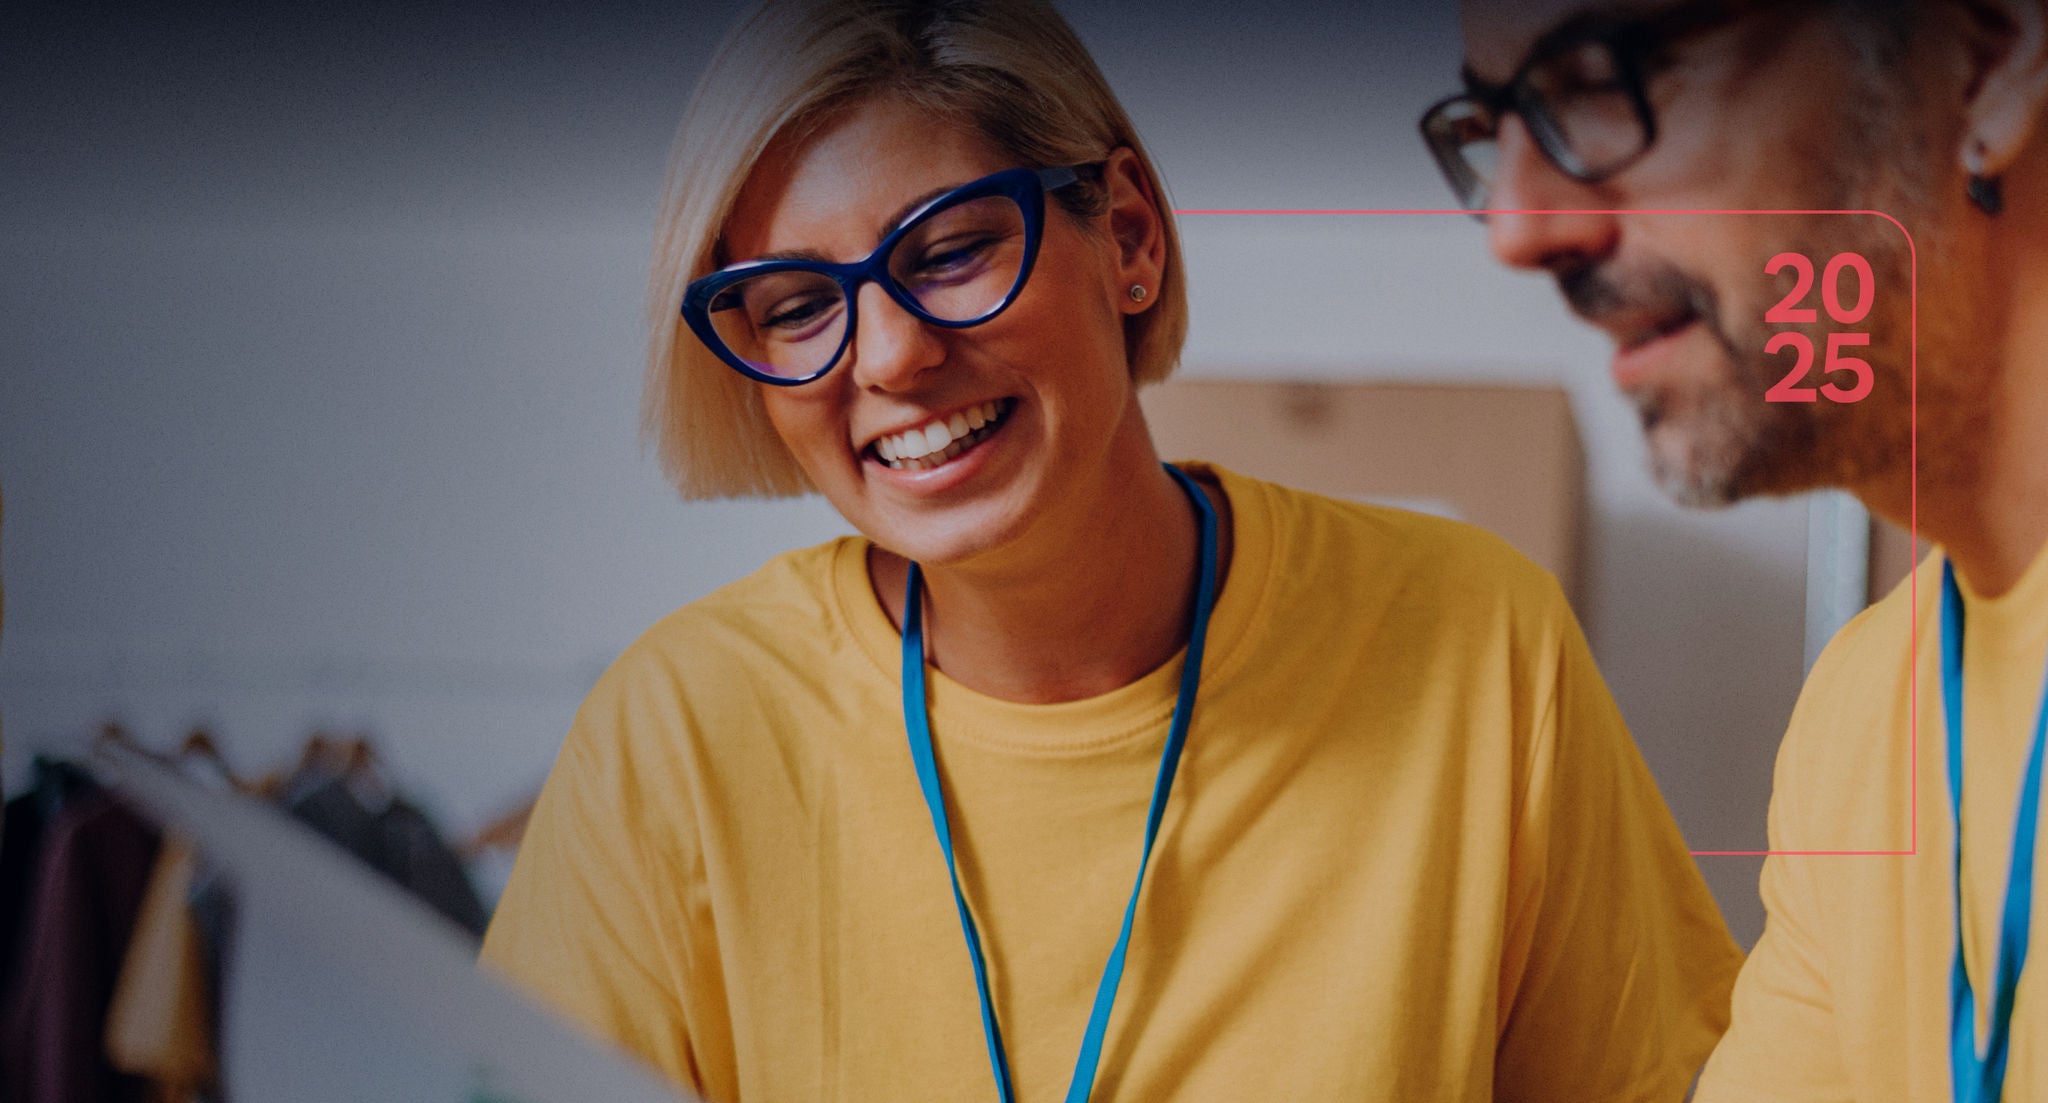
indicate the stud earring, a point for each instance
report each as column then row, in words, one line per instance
column 1137, row 292
column 1987, row 192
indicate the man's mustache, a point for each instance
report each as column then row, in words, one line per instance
column 1641, row 303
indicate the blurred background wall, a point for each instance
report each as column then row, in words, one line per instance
column 320, row 357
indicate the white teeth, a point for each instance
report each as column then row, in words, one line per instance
column 930, row 445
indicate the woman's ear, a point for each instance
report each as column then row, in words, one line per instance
column 1138, row 227
column 2010, row 40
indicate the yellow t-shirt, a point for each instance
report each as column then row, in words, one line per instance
column 1846, row 995
column 1411, row 853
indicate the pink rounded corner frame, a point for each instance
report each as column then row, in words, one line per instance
column 1913, row 461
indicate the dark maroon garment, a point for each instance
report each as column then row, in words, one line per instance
column 21, row 841
column 95, row 865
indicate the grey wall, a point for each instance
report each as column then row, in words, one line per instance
column 319, row 365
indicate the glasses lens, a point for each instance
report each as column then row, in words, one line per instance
column 1461, row 135
column 1586, row 111
column 962, row 263
column 784, row 324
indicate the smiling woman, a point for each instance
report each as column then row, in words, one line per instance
column 1394, row 840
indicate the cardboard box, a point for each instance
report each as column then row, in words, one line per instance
column 1505, row 458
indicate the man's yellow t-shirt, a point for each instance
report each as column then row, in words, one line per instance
column 1411, row 854
column 1846, row 996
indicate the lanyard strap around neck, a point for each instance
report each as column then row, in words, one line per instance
column 917, row 722
column 1980, row 1077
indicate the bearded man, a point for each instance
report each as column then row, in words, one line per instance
column 1773, row 353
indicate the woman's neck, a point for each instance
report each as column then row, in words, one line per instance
column 1105, row 605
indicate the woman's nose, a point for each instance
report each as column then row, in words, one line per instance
column 891, row 346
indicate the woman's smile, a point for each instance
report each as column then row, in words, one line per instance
column 941, row 439
column 979, row 445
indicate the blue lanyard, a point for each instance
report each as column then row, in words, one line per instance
column 918, row 723
column 1980, row 1077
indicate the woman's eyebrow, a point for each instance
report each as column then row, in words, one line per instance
column 793, row 254
column 889, row 226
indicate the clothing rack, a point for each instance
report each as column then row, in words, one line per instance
column 347, row 987
column 119, row 926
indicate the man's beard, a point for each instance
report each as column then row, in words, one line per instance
column 1712, row 437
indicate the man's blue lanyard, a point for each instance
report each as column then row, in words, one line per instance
column 917, row 721
column 1980, row 1077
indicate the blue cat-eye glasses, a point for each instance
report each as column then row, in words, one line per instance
column 958, row 260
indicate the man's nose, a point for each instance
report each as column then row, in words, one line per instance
column 891, row 346
column 1542, row 218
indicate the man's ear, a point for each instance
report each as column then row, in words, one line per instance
column 2009, row 40
column 1138, row 225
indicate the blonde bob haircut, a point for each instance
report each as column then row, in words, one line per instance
column 1009, row 70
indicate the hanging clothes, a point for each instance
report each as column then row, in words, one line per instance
column 19, row 847
column 159, row 1025
column 91, row 874
column 113, row 940
column 418, row 857
column 399, row 841
column 52, row 784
